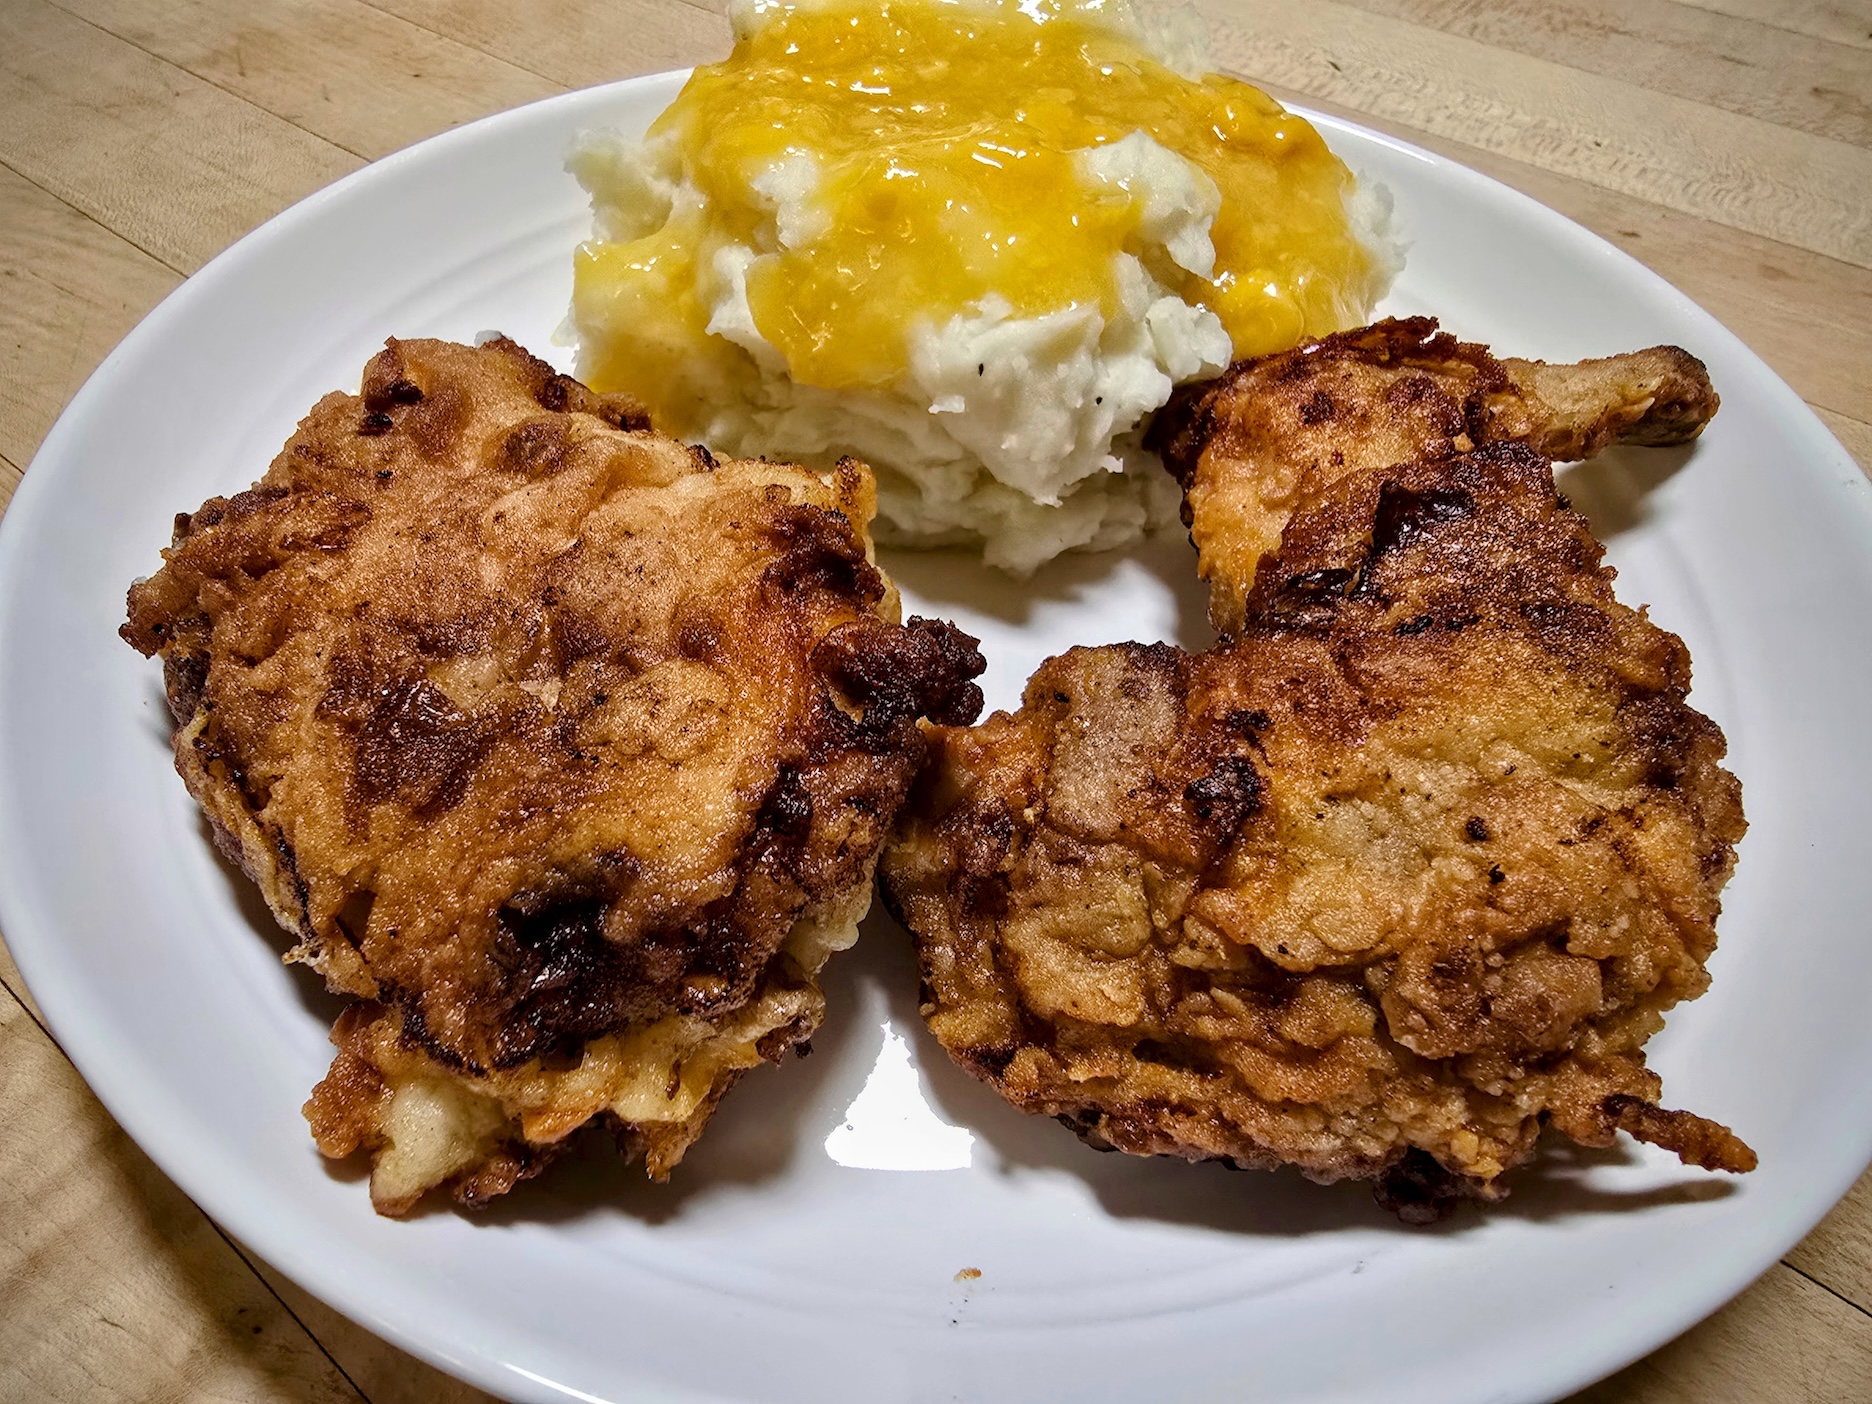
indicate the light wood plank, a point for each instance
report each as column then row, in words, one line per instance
column 15, row 983
column 585, row 42
column 1855, row 434
column 1784, row 1341
column 71, row 289
column 1839, row 20
column 384, row 1374
column 172, row 164
column 9, row 479
column 1838, row 1254
column 1740, row 65
column 1808, row 316
column 356, row 76
column 1739, row 171
column 112, row 1284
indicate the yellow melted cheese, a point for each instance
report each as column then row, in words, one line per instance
column 942, row 139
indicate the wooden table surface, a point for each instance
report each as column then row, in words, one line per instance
column 1726, row 143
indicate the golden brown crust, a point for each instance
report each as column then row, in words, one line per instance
column 541, row 730
column 1274, row 432
column 1413, row 865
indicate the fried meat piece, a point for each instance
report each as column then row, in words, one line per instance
column 1411, row 867
column 565, row 749
column 1272, row 433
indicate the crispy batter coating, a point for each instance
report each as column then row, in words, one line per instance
column 1411, row 867
column 1272, row 433
column 564, row 748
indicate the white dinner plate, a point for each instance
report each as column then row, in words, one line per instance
column 813, row 1246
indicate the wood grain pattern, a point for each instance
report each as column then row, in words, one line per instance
column 382, row 1373
column 172, row 164
column 109, row 1276
column 1785, row 1339
column 1838, row 1254
column 69, row 290
column 1855, row 434
column 583, row 43
column 1738, row 171
column 1740, row 65
column 13, row 983
column 1842, row 21
column 1807, row 315
column 9, row 479
column 360, row 78
column 1723, row 142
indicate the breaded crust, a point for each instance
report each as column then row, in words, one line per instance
column 564, row 748
column 1270, row 434
column 1411, row 867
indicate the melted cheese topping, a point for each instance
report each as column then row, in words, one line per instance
column 904, row 163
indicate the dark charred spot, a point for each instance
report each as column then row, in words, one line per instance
column 710, row 963
column 1317, row 408
column 1409, row 627
column 185, row 679
column 237, row 508
column 375, row 423
column 413, row 745
column 380, row 395
column 819, row 550
column 557, row 393
column 1453, row 967
column 536, row 449
column 698, row 637
column 1404, row 513
column 415, row 1033
column 787, row 811
column 773, row 1044
column 925, row 667
column 561, row 975
column 707, row 460
column 1664, row 775
column 1496, row 875
column 446, row 637
column 1420, row 1191
column 218, row 751
column 1227, row 796
column 1475, row 830
column 575, row 634
column 982, row 851
column 1308, row 600
column 989, row 1062
column 987, row 841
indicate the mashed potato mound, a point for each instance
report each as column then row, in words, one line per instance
column 956, row 242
